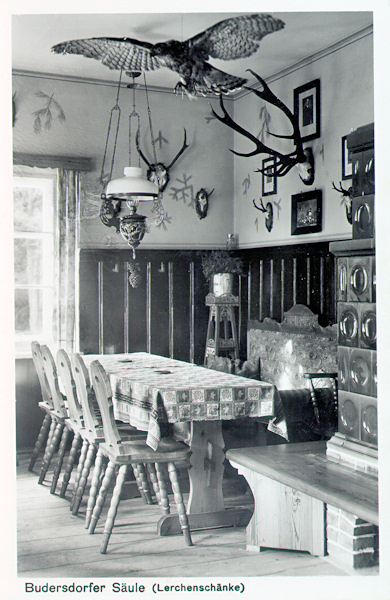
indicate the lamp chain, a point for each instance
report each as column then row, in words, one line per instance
column 150, row 121
column 116, row 107
column 132, row 115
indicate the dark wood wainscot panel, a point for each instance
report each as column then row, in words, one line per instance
column 162, row 311
column 280, row 277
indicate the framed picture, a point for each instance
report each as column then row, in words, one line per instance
column 346, row 163
column 307, row 109
column 269, row 180
column 306, row 212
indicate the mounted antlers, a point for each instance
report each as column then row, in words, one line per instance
column 268, row 209
column 303, row 157
column 348, row 203
column 159, row 173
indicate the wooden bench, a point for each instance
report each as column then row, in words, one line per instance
column 291, row 485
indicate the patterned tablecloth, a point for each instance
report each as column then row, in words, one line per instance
column 149, row 390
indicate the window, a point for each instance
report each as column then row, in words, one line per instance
column 34, row 250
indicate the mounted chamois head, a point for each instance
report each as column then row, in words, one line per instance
column 302, row 157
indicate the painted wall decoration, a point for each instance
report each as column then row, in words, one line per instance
column 52, row 109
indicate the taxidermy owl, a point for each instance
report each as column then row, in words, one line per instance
column 237, row 37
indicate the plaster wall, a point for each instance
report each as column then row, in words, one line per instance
column 347, row 102
column 87, row 106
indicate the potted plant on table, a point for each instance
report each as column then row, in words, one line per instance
column 219, row 266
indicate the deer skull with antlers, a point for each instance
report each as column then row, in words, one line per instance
column 302, row 157
column 158, row 173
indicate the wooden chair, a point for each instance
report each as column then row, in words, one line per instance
column 75, row 376
column 123, row 454
column 49, row 421
column 70, row 425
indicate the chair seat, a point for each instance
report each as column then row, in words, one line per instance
column 138, row 451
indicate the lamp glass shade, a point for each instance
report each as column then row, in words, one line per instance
column 132, row 184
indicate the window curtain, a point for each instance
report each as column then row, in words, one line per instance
column 70, row 170
column 66, row 256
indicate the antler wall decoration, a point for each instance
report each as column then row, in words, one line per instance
column 302, row 157
column 268, row 209
column 346, row 199
column 157, row 172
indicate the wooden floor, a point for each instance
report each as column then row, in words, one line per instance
column 54, row 543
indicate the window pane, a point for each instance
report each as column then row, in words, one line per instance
column 28, row 208
column 28, row 311
column 28, row 261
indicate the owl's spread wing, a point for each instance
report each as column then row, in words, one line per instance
column 115, row 53
column 237, row 37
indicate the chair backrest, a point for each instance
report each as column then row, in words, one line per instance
column 101, row 385
column 52, row 379
column 86, row 395
column 40, row 369
column 65, row 372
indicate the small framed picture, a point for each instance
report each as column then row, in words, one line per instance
column 269, row 180
column 306, row 212
column 307, row 109
column 346, row 163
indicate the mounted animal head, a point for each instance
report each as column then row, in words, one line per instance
column 202, row 202
column 158, row 173
column 268, row 209
column 347, row 199
column 302, row 157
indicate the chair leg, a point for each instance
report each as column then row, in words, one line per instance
column 183, row 518
column 145, row 483
column 112, row 511
column 49, row 440
column 83, row 454
column 50, row 452
column 153, row 478
column 93, row 491
column 108, row 475
column 90, row 458
column 138, row 482
column 42, row 436
column 60, row 459
column 164, row 502
column 69, row 464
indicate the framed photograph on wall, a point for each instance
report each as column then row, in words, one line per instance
column 307, row 109
column 346, row 163
column 269, row 180
column 306, row 212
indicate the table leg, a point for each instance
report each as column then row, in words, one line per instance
column 206, row 507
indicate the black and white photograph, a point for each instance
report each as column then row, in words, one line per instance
column 185, row 416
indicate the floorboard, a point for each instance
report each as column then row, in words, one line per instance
column 51, row 542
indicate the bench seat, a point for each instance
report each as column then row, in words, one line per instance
column 291, row 485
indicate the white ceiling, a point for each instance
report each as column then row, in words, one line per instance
column 304, row 34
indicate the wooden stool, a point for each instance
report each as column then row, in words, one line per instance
column 122, row 454
column 221, row 339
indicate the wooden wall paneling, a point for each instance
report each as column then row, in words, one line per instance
column 192, row 311
column 159, row 305
column 282, row 286
column 88, row 304
column 112, row 291
column 201, row 312
column 137, row 308
column 148, row 305
column 301, row 280
column 171, row 323
column 181, row 291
